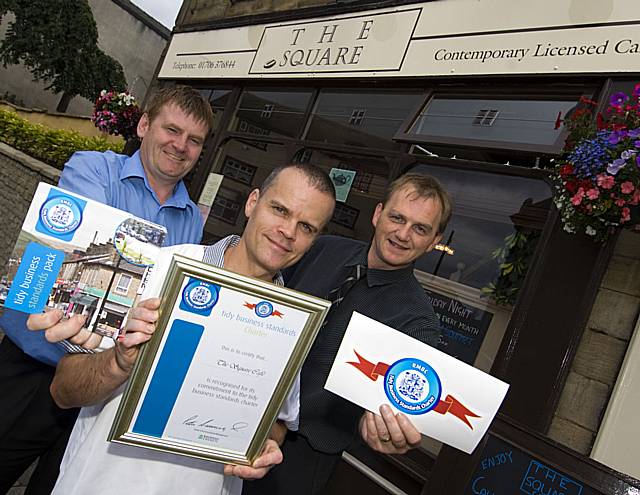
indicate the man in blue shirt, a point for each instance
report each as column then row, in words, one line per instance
column 149, row 185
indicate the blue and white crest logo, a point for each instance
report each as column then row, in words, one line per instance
column 60, row 215
column 199, row 297
column 264, row 309
column 412, row 385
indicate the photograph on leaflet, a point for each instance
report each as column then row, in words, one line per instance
column 80, row 256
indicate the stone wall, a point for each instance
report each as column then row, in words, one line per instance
column 602, row 348
column 195, row 11
column 19, row 177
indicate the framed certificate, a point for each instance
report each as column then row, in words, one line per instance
column 215, row 374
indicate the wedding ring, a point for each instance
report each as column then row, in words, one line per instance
column 385, row 439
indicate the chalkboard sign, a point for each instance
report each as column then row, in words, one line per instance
column 463, row 326
column 506, row 470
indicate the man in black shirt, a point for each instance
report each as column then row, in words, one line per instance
column 376, row 280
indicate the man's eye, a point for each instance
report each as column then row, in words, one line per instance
column 306, row 228
column 196, row 142
column 279, row 209
column 420, row 230
column 396, row 218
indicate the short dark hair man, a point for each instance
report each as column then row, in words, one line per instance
column 285, row 217
column 408, row 223
column 148, row 184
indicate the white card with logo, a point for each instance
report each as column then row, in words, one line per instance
column 80, row 256
column 444, row 398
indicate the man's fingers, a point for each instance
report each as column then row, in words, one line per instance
column 396, row 435
column 42, row 321
column 411, row 433
column 66, row 329
column 271, row 455
column 381, row 428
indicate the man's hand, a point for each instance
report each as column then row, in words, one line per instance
column 56, row 329
column 138, row 330
column 271, row 455
column 389, row 433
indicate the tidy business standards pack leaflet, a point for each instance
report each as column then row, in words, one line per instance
column 80, row 256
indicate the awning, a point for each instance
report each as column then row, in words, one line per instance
column 84, row 299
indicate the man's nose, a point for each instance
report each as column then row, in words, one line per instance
column 288, row 228
column 404, row 232
column 180, row 142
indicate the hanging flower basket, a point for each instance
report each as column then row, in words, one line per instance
column 117, row 114
column 597, row 181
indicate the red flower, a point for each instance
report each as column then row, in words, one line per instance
column 577, row 198
column 627, row 187
column 571, row 186
column 566, row 170
column 605, row 181
column 626, row 215
column 593, row 193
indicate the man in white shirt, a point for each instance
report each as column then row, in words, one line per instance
column 285, row 217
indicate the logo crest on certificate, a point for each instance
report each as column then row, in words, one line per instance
column 263, row 309
column 60, row 215
column 412, row 385
column 199, row 297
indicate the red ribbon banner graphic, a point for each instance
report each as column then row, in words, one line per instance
column 449, row 405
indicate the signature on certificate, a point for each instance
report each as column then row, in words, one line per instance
column 212, row 426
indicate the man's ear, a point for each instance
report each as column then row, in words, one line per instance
column 376, row 214
column 143, row 125
column 251, row 203
column 436, row 241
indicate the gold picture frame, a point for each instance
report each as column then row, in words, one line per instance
column 200, row 392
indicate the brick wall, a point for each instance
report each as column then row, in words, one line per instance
column 19, row 177
column 602, row 348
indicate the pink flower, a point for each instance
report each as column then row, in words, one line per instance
column 636, row 197
column 627, row 187
column 577, row 198
column 626, row 215
column 620, row 202
column 605, row 181
column 593, row 193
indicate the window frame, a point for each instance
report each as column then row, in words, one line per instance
column 505, row 92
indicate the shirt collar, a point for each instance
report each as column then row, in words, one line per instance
column 377, row 277
column 232, row 241
column 132, row 167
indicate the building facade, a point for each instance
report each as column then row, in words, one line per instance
column 473, row 93
column 125, row 32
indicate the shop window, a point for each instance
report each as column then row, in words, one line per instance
column 358, row 197
column 271, row 113
column 474, row 276
column 247, row 163
column 360, row 118
column 357, row 117
column 524, row 123
column 362, row 181
column 225, row 209
column 218, row 99
column 345, row 215
column 237, row 170
column 123, row 283
column 267, row 111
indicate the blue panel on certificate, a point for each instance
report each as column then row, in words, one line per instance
column 168, row 377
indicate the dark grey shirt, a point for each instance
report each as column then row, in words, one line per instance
column 392, row 297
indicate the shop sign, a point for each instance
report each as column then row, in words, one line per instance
column 444, row 38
